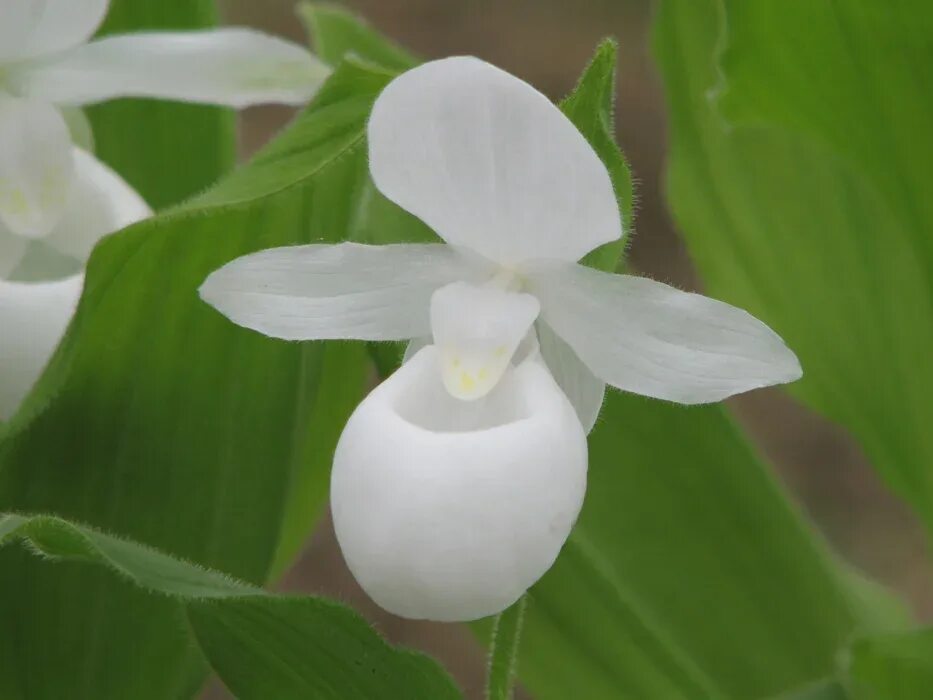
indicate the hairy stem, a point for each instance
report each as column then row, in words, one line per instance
column 503, row 651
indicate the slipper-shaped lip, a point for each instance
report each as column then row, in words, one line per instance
column 448, row 509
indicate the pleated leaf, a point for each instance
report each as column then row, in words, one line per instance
column 799, row 174
column 262, row 646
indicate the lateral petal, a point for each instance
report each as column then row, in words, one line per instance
column 652, row 339
column 347, row 290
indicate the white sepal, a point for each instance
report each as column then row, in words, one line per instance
column 17, row 22
column 584, row 389
column 12, row 249
column 490, row 164
column 449, row 510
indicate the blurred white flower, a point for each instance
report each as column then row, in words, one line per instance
column 47, row 61
column 449, row 504
column 41, row 279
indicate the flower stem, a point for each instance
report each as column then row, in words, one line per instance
column 503, row 651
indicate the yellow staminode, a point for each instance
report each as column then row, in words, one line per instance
column 471, row 372
column 477, row 330
column 467, row 383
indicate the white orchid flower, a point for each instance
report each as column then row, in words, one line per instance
column 41, row 279
column 48, row 62
column 449, row 504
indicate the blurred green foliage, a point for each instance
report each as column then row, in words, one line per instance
column 799, row 175
column 893, row 667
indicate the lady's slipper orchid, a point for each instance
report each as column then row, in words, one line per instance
column 449, row 504
column 46, row 61
column 41, row 279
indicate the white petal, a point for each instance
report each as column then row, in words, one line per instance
column 345, row 291
column 584, row 389
column 12, row 249
column 18, row 19
column 35, row 166
column 64, row 24
column 235, row 67
column 648, row 338
column 449, row 510
column 490, row 164
column 100, row 203
column 477, row 331
column 33, row 317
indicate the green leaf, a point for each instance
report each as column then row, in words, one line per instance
column 164, row 422
column 166, row 150
column 262, row 646
column 333, row 380
column 865, row 93
column 503, row 651
column 336, row 32
column 688, row 574
column 893, row 667
column 291, row 648
column 145, row 567
column 800, row 177
column 686, row 540
column 586, row 635
column 591, row 108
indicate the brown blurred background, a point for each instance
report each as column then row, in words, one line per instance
column 547, row 43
